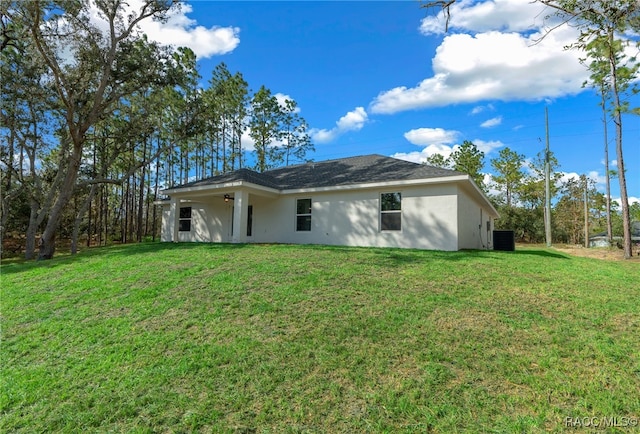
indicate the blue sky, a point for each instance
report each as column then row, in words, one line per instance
column 383, row 77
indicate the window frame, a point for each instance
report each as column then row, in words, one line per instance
column 183, row 220
column 305, row 215
column 389, row 212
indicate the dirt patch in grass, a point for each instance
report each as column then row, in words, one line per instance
column 607, row 254
column 604, row 253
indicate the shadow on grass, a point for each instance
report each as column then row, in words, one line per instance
column 393, row 256
column 543, row 253
column 385, row 257
column 399, row 257
column 118, row 250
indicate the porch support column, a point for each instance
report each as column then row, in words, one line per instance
column 174, row 217
column 240, row 216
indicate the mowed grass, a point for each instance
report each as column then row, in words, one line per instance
column 311, row 339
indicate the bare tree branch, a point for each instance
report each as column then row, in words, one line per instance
column 444, row 5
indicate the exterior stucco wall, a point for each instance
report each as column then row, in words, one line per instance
column 430, row 217
column 209, row 223
column 166, row 225
column 352, row 218
column 338, row 218
column 472, row 224
column 206, row 223
column 269, row 220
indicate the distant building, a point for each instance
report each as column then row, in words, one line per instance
column 600, row 240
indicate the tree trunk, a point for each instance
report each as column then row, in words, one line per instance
column 30, row 241
column 132, row 209
column 105, row 219
column 5, row 190
column 626, row 218
column 606, row 169
column 155, row 197
column 141, row 194
column 79, row 217
column 47, row 242
column 99, row 223
column 148, row 202
column 124, row 213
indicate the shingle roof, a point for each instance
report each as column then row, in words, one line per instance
column 340, row 172
column 237, row 175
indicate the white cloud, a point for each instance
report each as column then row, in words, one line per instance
column 487, row 147
column 421, row 156
column 180, row 31
column 282, row 98
column 493, row 122
column 631, row 200
column 489, row 60
column 612, row 163
column 593, row 175
column 438, row 141
column 566, row 176
column 352, row 121
column 504, row 15
column 492, row 66
column 413, row 157
column 482, row 108
column 248, row 144
column 599, row 179
column 491, row 186
column 431, row 136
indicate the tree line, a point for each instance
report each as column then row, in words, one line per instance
column 95, row 122
column 607, row 28
column 95, row 118
column 517, row 190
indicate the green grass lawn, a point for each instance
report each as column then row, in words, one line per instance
column 312, row 339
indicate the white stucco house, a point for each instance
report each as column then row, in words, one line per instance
column 369, row 200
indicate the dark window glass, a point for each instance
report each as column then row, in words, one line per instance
column 391, row 201
column 249, row 220
column 303, row 215
column 185, row 212
column 391, row 211
column 303, row 206
column 391, row 221
column 184, row 224
column 303, row 223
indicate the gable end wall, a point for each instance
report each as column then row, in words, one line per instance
column 472, row 224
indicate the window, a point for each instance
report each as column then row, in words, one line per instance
column 185, row 219
column 391, row 211
column 303, row 215
column 249, row 220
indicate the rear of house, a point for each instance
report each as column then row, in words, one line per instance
column 359, row 201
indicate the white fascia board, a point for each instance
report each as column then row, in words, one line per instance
column 181, row 191
column 386, row 184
